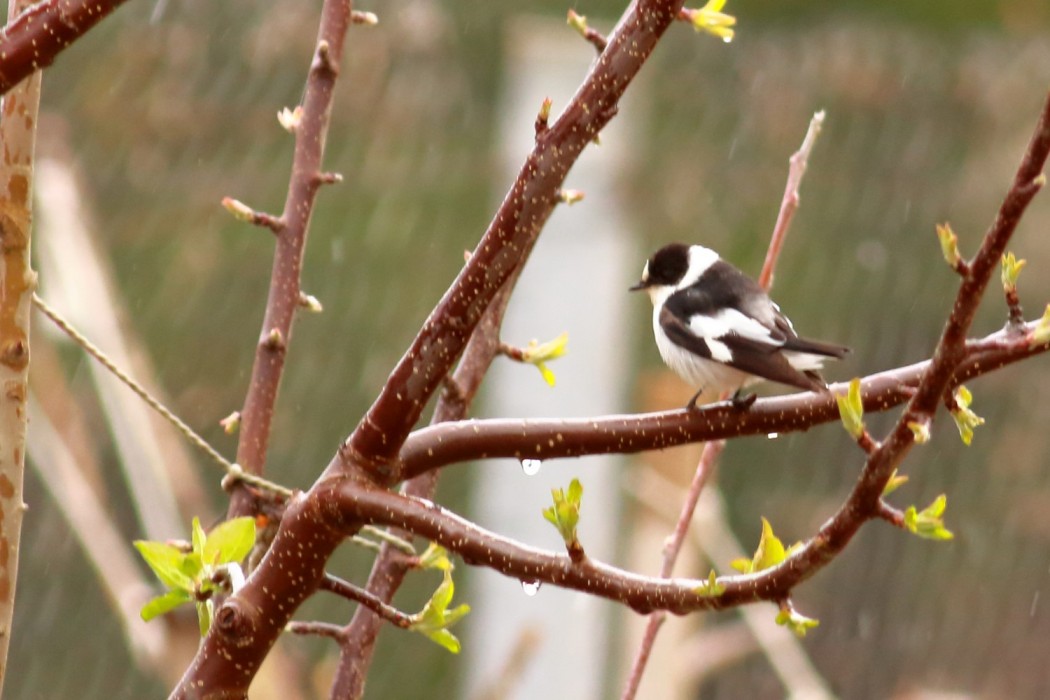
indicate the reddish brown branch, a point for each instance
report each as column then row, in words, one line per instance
column 864, row 501
column 390, row 567
column 553, row 438
column 509, row 238
column 36, row 37
column 284, row 295
column 347, row 590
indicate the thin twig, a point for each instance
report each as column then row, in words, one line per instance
column 282, row 302
column 334, row 584
column 471, row 440
column 317, row 629
column 789, row 204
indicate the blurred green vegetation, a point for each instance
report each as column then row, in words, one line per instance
column 929, row 105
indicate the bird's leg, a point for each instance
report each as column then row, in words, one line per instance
column 742, row 400
column 691, row 406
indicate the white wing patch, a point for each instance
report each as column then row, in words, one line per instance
column 727, row 321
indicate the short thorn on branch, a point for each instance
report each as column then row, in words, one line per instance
column 571, row 197
column 310, row 303
column 289, row 119
column 323, row 58
column 274, row 340
column 242, row 212
column 579, row 23
column 369, row 19
column 329, row 178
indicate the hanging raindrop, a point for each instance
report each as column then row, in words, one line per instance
column 531, row 467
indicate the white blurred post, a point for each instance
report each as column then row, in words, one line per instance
column 575, row 281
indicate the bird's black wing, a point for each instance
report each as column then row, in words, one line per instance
column 747, row 354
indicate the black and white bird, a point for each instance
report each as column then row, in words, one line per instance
column 719, row 330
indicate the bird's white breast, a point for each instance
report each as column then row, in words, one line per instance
column 712, row 377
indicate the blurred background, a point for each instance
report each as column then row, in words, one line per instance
column 166, row 108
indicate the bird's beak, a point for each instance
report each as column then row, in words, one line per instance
column 638, row 287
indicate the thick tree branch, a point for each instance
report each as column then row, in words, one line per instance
column 506, row 243
column 36, row 37
column 554, row 438
column 390, row 567
column 294, row 223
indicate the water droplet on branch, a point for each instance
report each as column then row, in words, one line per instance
column 531, row 467
column 530, row 588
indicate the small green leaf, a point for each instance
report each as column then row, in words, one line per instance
column 921, row 431
column 712, row 20
column 795, row 621
column 1041, row 333
column 168, row 563
column 894, row 483
column 577, row 22
column 965, row 419
column 770, row 552
column 435, row 557
column 949, row 245
column 229, row 541
column 1011, row 269
column 743, row 565
column 851, row 409
column 929, row 522
column 539, row 354
column 199, row 537
column 435, row 618
column 565, row 513
column 205, row 611
column 164, row 603
column 711, row 588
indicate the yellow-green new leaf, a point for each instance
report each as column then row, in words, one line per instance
column 229, row 541
column 170, row 564
column 435, row 557
column 965, row 419
column 711, row 588
column 712, row 20
column 796, row 622
column 565, row 513
column 770, row 552
column 1011, row 269
column 539, row 354
column 894, row 483
column 435, row 618
column 929, row 522
column 1041, row 333
column 851, row 409
column 949, row 245
column 164, row 603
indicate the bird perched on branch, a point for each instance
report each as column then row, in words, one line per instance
column 719, row 330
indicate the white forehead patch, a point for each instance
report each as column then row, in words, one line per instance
column 700, row 259
column 645, row 272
